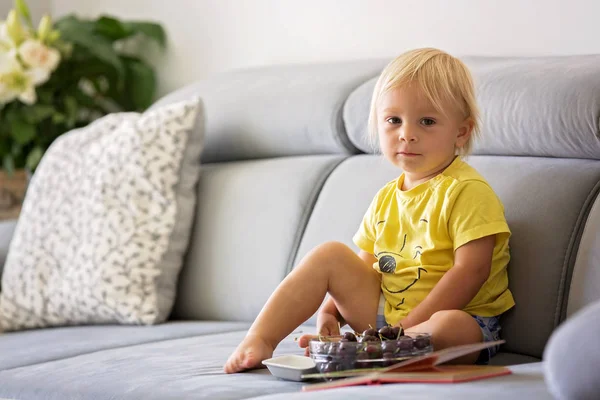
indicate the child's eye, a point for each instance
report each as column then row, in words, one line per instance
column 427, row 121
column 394, row 120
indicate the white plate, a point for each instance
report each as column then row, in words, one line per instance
column 290, row 367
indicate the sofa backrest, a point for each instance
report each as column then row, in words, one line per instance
column 287, row 167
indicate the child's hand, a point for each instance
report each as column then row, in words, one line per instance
column 327, row 325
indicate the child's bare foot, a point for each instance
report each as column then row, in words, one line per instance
column 248, row 354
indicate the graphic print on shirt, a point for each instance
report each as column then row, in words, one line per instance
column 387, row 263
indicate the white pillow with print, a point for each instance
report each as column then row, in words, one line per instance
column 106, row 222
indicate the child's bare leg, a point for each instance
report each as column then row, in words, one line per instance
column 331, row 267
column 451, row 328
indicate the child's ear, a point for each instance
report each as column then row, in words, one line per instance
column 464, row 132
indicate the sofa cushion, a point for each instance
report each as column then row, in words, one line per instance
column 105, row 223
column 530, row 106
column 525, row 382
column 585, row 280
column 192, row 368
column 248, row 225
column 542, row 241
column 37, row 346
column 505, row 358
column 572, row 357
column 183, row 368
column 277, row 111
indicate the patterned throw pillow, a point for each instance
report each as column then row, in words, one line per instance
column 106, row 222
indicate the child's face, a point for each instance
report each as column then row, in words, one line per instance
column 417, row 138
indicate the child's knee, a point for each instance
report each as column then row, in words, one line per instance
column 329, row 257
column 449, row 316
column 331, row 248
column 456, row 320
column 332, row 252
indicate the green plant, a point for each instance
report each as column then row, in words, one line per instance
column 66, row 74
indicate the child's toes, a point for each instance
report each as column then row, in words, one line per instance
column 233, row 364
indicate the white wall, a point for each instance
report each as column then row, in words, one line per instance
column 209, row 36
column 36, row 7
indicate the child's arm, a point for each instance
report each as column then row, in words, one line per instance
column 329, row 309
column 458, row 286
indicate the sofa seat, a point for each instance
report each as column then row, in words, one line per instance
column 19, row 349
column 525, row 382
column 183, row 360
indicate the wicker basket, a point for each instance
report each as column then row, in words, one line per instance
column 12, row 193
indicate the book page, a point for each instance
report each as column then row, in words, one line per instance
column 440, row 356
column 458, row 351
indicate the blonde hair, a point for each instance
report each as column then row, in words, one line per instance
column 443, row 79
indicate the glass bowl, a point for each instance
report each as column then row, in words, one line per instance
column 337, row 353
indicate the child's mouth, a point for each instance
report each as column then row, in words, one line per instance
column 408, row 154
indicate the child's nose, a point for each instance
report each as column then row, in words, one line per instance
column 407, row 133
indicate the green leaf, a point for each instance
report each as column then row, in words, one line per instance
column 71, row 22
column 58, row 118
column 90, row 69
column 71, row 108
column 21, row 131
column 44, row 95
column 8, row 164
column 83, row 99
column 16, row 149
column 37, row 113
column 141, row 83
column 80, row 33
column 111, row 28
column 34, row 157
column 11, row 113
column 149, row 29
column 4, row 145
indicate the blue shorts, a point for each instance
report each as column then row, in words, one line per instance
column 490, row 328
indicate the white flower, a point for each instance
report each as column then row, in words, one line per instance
column 37, row 55
column 16, row 82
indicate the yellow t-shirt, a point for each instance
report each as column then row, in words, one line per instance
column 414, row 233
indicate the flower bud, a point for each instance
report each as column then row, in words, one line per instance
column 23, row 10
column 44, row 28
column 14, row 28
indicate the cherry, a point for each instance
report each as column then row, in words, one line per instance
column 370, row 332
column 421, row 342
column 368, row 338
column 373, row 351
column 360, row 360
column 397, row 332
column 349, row 336
column 388, row 359
column 387, row 333
column 347, row 348
column 389, row 346
column 405, row 343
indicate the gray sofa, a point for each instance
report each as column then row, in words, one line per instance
column 285, row 167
